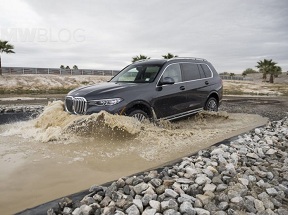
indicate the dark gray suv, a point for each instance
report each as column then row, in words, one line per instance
column 153, row 89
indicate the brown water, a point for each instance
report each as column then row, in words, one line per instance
column 58, row 154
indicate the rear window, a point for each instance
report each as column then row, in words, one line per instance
column 190, row 71
column 206, row 70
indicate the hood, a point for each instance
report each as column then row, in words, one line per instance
column 100, row 89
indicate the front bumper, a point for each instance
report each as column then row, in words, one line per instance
column 80, row 106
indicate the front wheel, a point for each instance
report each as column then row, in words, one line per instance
column 139, row 115
column 211, row 105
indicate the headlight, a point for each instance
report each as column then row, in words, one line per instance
column 105, row 102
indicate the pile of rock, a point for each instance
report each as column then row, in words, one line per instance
column 248, row 176
column 21, row 109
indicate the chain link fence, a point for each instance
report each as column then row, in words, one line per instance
column 56, row 71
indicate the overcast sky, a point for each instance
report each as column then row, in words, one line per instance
column 232, row 34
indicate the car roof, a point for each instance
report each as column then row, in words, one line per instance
column 175, row 59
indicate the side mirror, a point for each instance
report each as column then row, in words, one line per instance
column 167, row 80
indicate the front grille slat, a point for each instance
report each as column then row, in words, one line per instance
column 77, row 105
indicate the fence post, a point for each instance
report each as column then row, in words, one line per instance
column 48, row 71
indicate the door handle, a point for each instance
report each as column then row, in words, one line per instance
column 206, row 82
column 182, row 88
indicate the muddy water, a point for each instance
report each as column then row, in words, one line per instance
column 58, row 154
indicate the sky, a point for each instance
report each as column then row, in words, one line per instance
column 105, row 34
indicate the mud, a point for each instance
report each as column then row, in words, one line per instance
column 58, row 154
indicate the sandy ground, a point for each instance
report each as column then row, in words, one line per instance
column 55, row 155
column 42, row 159
column 36, row 84
column 45, row 83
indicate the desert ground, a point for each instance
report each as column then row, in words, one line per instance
column 42, row 161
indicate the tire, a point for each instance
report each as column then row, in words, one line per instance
column 211, row 105
column 139, row 115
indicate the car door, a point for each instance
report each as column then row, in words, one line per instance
column 195, row 86
column 170, row 99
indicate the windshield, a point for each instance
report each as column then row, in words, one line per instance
column 137, row 74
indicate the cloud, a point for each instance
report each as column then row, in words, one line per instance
column 106, row 34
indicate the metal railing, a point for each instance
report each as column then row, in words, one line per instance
column 56, row 71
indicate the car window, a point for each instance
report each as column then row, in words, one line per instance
column 173, row 71
column 190, row 71
column 137, row 73
column 206, row 70
column 202, row 74
column 129, row 75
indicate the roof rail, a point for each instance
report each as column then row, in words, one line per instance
column 191, row 58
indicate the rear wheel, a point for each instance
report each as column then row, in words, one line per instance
column 211, row 104
column 139, row 115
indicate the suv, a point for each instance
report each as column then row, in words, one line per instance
column 153, row 89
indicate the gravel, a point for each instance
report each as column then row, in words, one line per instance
column 247, row 176
column 275, row 108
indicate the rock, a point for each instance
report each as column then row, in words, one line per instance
column 186, row 198
column 139, row 204
column 170, row 204
column 223, row 206
column 171, row 193
column 77, row 211
column 186, row 208
column 105, row 202
column 85, row 209
column 271, row 152
column 282, row 211
column 252, row 155
column 209, row 187
column 198, row 203
column 146, row 199
column 155, row 205
column 161, row 189
column 171, row 212
column 257, row 131
column 259, row 206
column 156, row 182
column 243, row 181
column 237, row 199
column 120, row 183
column 220, row 213
column 272, row 191
column 139, row 188
column 203, row 198
column 202, row 179
column 149, row 212
column 109, row 210
column 184, row 181
column 67, row 210
column 201, row 211
column 132, row 210
column 217, row 151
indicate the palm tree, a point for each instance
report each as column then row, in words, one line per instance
column 269, row 67
column 140, row 57
column 265, row 66
column 75, row 67
column 62, row 67
column 168, row 56
column 67, row 67
column 274, row 72
column 232, row 74
column 6, row 48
